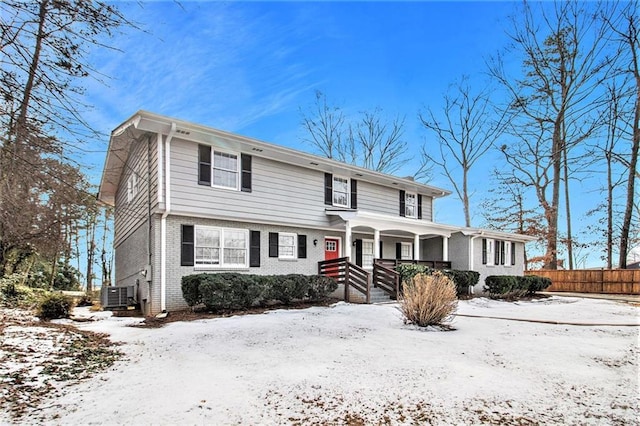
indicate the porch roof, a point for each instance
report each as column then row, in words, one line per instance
column 383, row 222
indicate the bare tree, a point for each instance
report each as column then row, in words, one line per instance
column 508, row 209
column 627, row 33
column 43, row 49
column 369, row 140
column 564, row 60
column 463, row 135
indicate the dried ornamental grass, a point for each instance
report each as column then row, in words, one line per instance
column 429, row 300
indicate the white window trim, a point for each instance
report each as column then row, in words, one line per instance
column 415, row 204
column 490, row 252
column 373, row 254
column 238, row 169
column 295, row 246
column 132, row 187
column 333, row 191
column 221, row 264
column 410, row 245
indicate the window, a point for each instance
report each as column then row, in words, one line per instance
column 340, row 191
column 225, row 247
column 132, row 187
column 410, row 205
column 225, row 170
column 287, row 245
column 488, row 252
column 406, row 253
column 367, row 254
column 331, row 245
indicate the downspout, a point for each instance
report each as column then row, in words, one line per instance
column 163, row 219
column 471, row 255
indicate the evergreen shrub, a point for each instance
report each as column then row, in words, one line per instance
column 55, row 306
column 233, row 291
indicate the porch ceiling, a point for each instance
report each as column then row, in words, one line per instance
column 387, row 223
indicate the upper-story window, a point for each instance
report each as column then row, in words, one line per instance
column 224, row 169
column 133, row 187
column 340, row 191
column 410, row 206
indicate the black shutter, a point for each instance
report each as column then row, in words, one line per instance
column 328, row 189
column 273, row 244
column 359, row 252
column 204, row 165
column 354, row 194
column 419, row 206
column 403, row 210
column 399, row 250
column 254, row 248
column 245, row 181
column 513, row 253
column 187, row 249
column 302, row 246
column 484, row 251
column 381, row 255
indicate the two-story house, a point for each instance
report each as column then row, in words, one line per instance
column 191, row 199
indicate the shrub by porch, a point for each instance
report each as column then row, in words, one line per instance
column 232, row 291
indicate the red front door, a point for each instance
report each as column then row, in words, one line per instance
column 332, row 251
column 331, row 248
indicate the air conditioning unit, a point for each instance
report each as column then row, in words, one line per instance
column 118, row 297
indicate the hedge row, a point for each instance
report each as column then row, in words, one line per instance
column 462, row 279
column 232, row 291
column 514, row 286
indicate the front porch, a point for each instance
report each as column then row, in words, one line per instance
column 380, row 284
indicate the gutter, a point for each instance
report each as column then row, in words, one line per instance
column 163, row 219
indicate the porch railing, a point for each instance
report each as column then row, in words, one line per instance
column 393, row 263
column 386, row 279
column 348, row 274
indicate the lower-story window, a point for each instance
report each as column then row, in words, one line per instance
column 221, row 247
column 287, row 245
column 367, row 254
column 406, row 252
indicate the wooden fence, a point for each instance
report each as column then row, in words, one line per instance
column 606, row 281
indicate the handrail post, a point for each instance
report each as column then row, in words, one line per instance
column 346, row 282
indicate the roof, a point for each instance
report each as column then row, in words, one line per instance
column 143, row 122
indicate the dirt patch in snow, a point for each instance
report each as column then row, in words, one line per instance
column 38, row 359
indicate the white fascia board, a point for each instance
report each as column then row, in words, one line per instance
column 490, row 233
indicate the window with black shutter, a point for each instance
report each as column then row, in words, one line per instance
column 254, row 248
column 328, row 189
column 354, row 194
column 484, row 251
column 302, row 246
column 204, row 165
column 403, row 211
column 496, row 252
column 273, row 244
column 245, row 180
column 187, row 243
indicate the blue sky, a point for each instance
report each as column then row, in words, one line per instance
column 248, row 67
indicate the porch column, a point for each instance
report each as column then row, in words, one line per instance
column 445, row 249
column 376, row 244
column 416, row 247
column 347, row 240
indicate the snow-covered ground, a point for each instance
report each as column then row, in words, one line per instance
column 359, row 364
